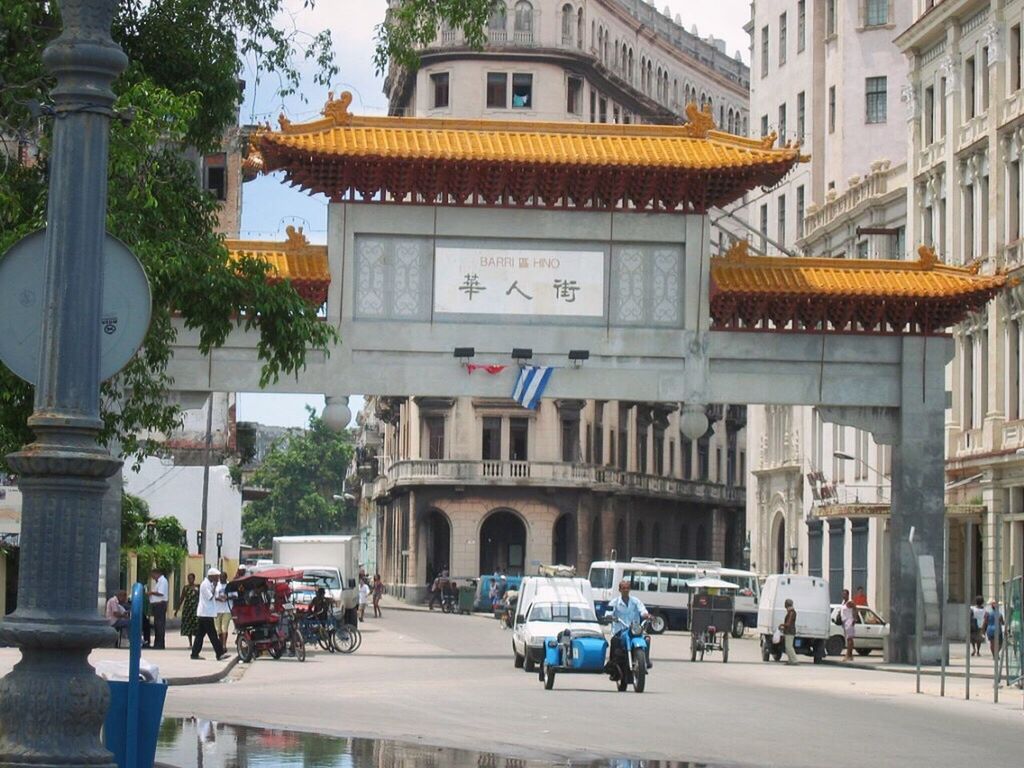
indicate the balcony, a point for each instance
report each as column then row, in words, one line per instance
column 931, row 155
column 523, row 37
column 547, row 474
column 973, row 130
column 883, row 178
column 968, row 442
column 1013, row 435
column 1012, row 107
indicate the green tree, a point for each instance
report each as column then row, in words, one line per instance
column 301, row 474
column 413, row 23
column 157, row 543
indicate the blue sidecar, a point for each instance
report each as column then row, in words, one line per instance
column 585, row 653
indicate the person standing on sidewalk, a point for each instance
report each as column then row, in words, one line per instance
column 158, row 607
column 222, row 621
column 977, row 620
column 206, row 612
column 848, row 614
column 788, row 628
column 187, row 606
column 993, row 627
column 364, row 597
column 378, row 592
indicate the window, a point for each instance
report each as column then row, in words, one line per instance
column 491, row 450
column 593, row 105
column 497, row 24
column 602, row 110
column 899, row 243
column 970, row 108
column 875, row 90
column 876, row 14
column 831, row 109
column 800, row 211
column 801, row 25
column 782, row 220
column 434, row 429
column 571, row 440
column 862, row 249
column 615, row 115
column 497, row 90
column 1015, row 58
column 764, row 228
column 574, row 96
column 568, row 19
column 830, row 18
column 439, row 89
column 782, row 123
column 801, row 111
column 524, row 22
column 929, row 115
column 782, row 39
column 599, row 433
column 522, row 91
column 764, row 51
column 764, row 125
column 518, row 434
column 215, row 179
column 984, row 79
column 942, row 108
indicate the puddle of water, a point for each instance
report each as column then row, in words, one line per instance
column 194, row 743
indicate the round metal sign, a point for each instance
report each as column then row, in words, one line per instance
column 124, row 318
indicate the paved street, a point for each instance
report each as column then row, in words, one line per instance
column 449, row 680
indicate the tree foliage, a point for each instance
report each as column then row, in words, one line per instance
column 182, row 90
column 414, row 23
column 157, row 543
column 301, row 475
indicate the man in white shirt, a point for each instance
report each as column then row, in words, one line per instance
column 158, row 607
column 223, row 619
column 206, row 612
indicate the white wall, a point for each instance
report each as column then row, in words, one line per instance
column 178, row 491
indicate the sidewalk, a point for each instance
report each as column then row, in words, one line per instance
column 175, row 665
column 981, row 666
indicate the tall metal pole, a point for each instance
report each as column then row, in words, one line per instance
column 206, row 480
column 52, row 704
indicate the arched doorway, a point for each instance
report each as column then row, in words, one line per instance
column 596, row 548
column 563, row 539
column 437, row 543
column 639, row 548
column 657, row 547
column 503, row 543
column 684, row 542
column 702, row 542
column 620, row 540
column 780, row 544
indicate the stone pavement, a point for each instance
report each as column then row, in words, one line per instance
column 175, row 665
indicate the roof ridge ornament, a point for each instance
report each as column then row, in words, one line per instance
column 738, row 251
column 337, row 110
column 927, row 259
column 699, row 121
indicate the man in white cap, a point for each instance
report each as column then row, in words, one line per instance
column 206, row 612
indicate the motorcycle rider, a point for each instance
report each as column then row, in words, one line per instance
column 628, row 611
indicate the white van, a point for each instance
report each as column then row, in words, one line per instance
column 559, row 601
column 813, row 613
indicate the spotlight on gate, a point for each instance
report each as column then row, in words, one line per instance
column 577, row 356
column 521, row 353
column 465, row 353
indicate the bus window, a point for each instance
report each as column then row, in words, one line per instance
column 601, row 578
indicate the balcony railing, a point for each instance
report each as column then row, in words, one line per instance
column 540, row 473
column 875, row 184
column 969, row 441
column 497, row 36
column 523, row 37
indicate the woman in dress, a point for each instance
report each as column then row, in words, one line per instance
column 187, row 604
column 377, row 591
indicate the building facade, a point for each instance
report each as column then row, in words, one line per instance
column 476, row 485
column 965, row 198
column 826, row 75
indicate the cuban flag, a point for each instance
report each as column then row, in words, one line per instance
column 530, row 386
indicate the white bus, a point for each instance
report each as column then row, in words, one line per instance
column 663, row 586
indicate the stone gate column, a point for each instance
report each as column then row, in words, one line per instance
column 918, row 475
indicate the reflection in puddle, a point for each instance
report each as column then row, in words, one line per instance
column 193, row 743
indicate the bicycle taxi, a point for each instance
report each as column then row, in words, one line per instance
column 263, row 612
column 712, row 614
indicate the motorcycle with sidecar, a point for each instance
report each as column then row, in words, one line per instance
column 624, row 660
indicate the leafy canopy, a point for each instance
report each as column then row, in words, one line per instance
column 301, row 475
column 157, row 543
column 413, row 23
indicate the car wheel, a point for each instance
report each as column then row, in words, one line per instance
column 658, row 623
column 867, row 651
column 529, row 664
column 738, row 627
column 517, row 660
column 766, row 648
column 835, row 645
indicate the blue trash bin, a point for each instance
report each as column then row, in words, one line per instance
column 150, row 713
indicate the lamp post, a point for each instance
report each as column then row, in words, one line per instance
column 794, row 564
column 220, row 543
column 746, row 553
column 52, row 704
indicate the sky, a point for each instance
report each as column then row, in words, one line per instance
column 268, row 206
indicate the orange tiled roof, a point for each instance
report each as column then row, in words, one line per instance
column 509, row 162
column 925, row 296
column 305, row 265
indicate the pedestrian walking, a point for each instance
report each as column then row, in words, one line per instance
column 158, row 607
column 848, row 615
column 222, row 621
column 788, row 628
column 977, row 620
column 187, row 603
column 437, row 589
column 206, row 613
column 993, row 627
column 377, row 591
column 364, row 597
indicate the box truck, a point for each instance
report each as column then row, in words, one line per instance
column 335, row 558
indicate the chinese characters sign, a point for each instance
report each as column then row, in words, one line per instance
column 495, row 281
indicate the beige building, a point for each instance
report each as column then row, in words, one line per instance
column 965, row 198
column 829, row 76
column 476, row 485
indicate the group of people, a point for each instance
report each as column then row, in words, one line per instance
column 986, row 623
column 441, row 588
column 370, row 592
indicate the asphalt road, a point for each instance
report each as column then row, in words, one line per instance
column 449, row 681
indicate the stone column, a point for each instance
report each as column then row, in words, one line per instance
column 584, row 518
column 917, row 494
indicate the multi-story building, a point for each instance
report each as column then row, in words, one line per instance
column 479, row 484
column 828, row 76
column 965, row 198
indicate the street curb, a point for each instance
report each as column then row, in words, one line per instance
column 904, row 671
column 214, row 677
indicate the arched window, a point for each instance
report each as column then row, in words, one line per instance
column 650, row 77
column 639, row 545
column 658, row 91
column 593, row 35
column 721, row 116
column 580, row 29
column 703, row 100
column 675, row 91
column 524, row 22
column 497, row 25
column 629, row 68
column 567, row 23
column 625, row 56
